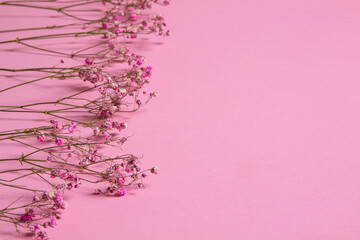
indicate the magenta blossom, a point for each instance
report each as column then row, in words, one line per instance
column 40, row 137
column 133, row 16
column 28, row 216
column 121, row 192
column 58, row 141
column 72, row 127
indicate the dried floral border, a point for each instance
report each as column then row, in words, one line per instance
column 69, row 151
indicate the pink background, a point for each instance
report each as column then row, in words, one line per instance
column 256, row 128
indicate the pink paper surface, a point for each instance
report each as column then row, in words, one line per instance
column 256, row 128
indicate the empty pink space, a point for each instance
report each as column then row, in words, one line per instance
column 256, row 128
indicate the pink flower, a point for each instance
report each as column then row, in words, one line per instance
column 29, row 214
column 63, row 205
column 133, row 17
column 41, row 235
column 107, row 136
column 120, row 182
column 58, row 141
column 34, row 228
column 58, row 126
column 40, row 137
column 128, row 169
column 108, row 124
column 121, row 192
column 88, row 61
column 72, row 127
column 58, row 200
column 96, row 131
column 49, row 159
column 52, row 222
column 36, row 198
column 155, row 170
column 62, row 173
column 123, row 125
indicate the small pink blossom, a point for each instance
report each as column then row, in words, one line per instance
column 58, row 200
column 121, row 192
column 72, row 127
column 52, row 222
column 58, row 126
column 133, row 17
column 89, row 61
column 49, row 159
column 34, row 228
column 36, row 198
column 106, row 136
column 41, row 235
column 59, row 141
column 40, row 137
column 28, row 216
column 155, row 170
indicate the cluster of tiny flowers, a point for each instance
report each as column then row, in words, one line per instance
column 70, row 151
column 27, row 216
column 116, row 21
column 57, row 127
column 45, row 210
column 155, row 24
column 106, row 127
column 55, row 199
column 117, row 176
column 117, row 90
column 70, row 177
column 38, row 229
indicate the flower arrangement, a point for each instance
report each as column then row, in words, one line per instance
column 69, row 151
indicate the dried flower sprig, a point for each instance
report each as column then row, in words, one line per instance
column 117, row 92
column 69, row 151
column 66, row 160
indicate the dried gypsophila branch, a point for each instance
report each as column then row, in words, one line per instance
column 39, row 170
column 118, row 175
column 115, row 91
